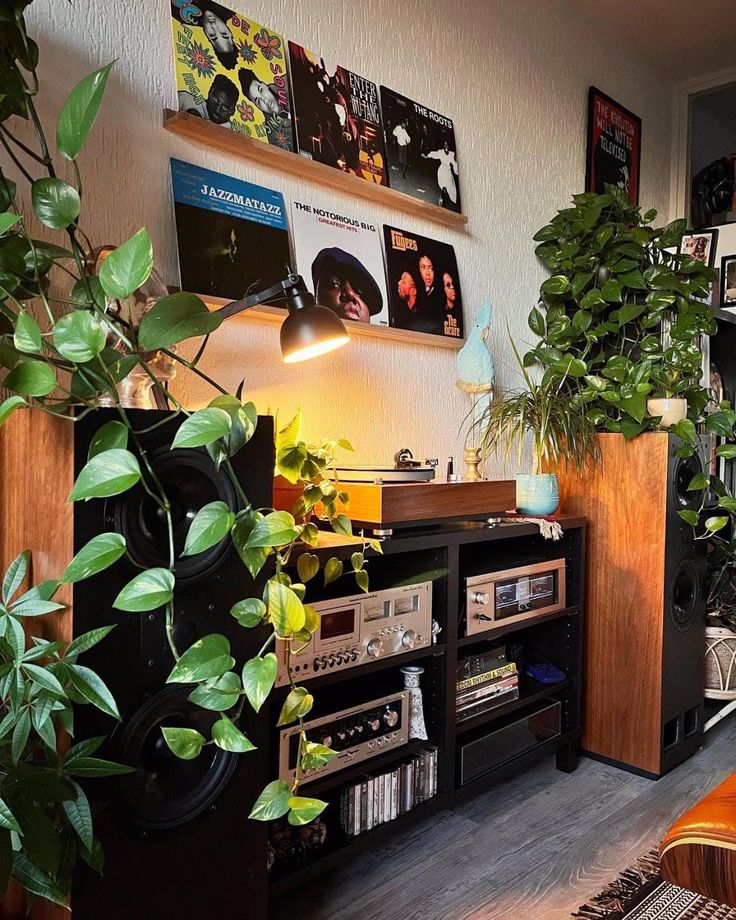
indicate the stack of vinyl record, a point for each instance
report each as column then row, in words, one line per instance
column 485, row 682
column 378, row 799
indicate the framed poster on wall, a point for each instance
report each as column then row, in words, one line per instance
column 614, row 146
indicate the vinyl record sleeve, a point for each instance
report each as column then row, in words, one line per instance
column 338, row 116
column 231, row 71
column 339, row 256
column 421, row 151
column 423, row 284
column 232, row 236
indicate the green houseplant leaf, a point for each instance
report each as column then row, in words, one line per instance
column 211, row 524
column 228, row 736
column 128, row 266
column 303, row 810
column 186, row 743
column 249, row 612
column 202, row 427
column 259, row 675
column 296, row 705
column 110, row 436
column 79, row 336
column 273, row 802
column 285, row 610
column 207, row 658
column 176, row 318
column 98, row 554
column 31, row 378
column 106, row 474
column 27, row 336
column 147, row 591
column 56, row 203
column 79, row 112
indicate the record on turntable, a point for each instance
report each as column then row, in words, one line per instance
column 385, row 474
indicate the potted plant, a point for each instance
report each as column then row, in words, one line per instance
column 546, row 413
column 618, row 283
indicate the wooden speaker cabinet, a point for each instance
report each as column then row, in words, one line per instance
column 644, row 644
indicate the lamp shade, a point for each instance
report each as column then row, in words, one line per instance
column 310, row 331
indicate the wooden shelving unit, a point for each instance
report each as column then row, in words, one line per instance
column 215, row 137
column 451, row 552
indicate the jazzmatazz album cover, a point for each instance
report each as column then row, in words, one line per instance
column 232, row 236
column 338, row 118
column 231, row 71
column 421, row 151
column 423, row 284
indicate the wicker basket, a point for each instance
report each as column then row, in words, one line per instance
column 720, row 663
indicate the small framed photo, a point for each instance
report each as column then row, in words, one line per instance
column 728, row 282
column 701, row 246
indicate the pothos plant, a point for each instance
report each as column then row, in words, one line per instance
column 621, row 319
column 61, row 354
column 617, row 283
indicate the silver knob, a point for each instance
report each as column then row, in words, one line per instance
column 326, row 740
column 409, row 639
column 390, row 717
column 480, row 597
column 375, row 647
column 374, row 724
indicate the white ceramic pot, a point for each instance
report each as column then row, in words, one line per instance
column 671, row 410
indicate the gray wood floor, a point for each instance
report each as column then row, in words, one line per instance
column 535, row 847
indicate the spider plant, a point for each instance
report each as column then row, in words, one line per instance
column 545, row 412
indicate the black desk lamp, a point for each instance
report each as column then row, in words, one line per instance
column 309, row 330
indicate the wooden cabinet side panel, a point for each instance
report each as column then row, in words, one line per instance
column 624, row 500
column 36, row 476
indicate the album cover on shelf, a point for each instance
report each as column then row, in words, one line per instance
column 338, row 117
column 231, row 71
column 421, row 151
column 423, row 284
column 232, row 236
column 340, row 258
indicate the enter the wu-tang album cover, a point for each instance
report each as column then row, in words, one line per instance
column 338, row 117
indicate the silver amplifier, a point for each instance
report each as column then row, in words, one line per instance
column 356, row 734
column 358, row 629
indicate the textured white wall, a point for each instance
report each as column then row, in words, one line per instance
column 513, row 75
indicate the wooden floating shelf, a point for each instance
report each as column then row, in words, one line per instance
column 278, row 315
column 215, row 137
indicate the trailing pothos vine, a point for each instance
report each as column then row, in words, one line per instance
column 61, row 353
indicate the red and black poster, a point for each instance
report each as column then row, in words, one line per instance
column 614, row 146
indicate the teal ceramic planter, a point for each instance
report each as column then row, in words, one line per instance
column 537, row 494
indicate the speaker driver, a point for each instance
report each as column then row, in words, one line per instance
column 166, row 791
column 685, row 468
column 190, row 482
column 684, row 596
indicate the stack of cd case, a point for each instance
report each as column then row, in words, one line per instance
column 485, row 682
column 378, row 799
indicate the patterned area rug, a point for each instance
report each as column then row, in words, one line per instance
column 640, row 894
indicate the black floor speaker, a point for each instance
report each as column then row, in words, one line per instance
column 178, row 843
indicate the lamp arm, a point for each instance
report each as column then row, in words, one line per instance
column 289, row 288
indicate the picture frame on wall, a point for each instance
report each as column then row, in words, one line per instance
column 613, row 155
column 728, row 282
column 701, row 246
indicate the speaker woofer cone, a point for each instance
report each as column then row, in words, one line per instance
column 166, row 791
column 190, row 481
column 685, row 468
column 684, row 596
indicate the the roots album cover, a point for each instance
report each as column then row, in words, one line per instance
column 423, row 284
column 231, row 71
column 340, row 258
column 421, row 151
column 232, row 236
column 338, row 119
